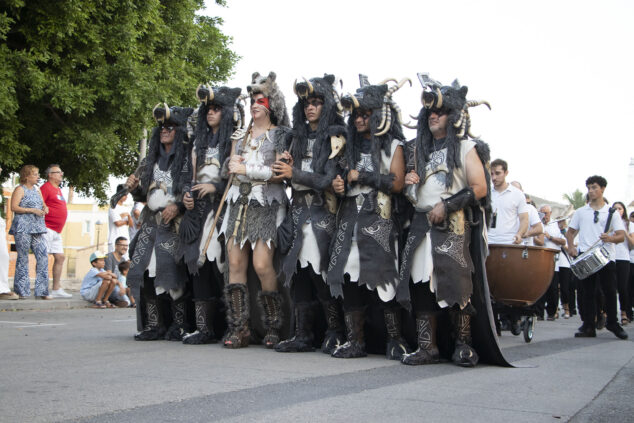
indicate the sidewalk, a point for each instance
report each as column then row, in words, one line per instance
column 70, row 285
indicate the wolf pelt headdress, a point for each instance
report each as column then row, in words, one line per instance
column 231, row 119
column 267, row 86
column 451, row 99
column 385, row 120
column 331, row 121
column 169, row 116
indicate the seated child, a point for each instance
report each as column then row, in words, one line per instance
column 99, row 285
column 124, row 267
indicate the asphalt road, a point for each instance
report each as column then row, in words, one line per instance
column 83, row 365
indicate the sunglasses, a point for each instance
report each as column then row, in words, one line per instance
column 596, row 216
column 168, row 128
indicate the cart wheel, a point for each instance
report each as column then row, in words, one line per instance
column 529, row 325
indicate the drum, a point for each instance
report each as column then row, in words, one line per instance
column 590, row 261
column 519, row 275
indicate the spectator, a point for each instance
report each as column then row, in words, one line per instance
column 5, row 292
column 29, row 231
column 55, row 221
column 124, row 268
column 99, row 285
column 117, row 256
column 119, row 221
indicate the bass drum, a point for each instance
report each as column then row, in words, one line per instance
column 519, row 275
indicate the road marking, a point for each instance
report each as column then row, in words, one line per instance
column 31, row 324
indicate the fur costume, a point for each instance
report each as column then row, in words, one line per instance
column 456, row 247
column 267, row 86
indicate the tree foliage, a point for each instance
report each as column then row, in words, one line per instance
column 577, row 199
column 80, row 78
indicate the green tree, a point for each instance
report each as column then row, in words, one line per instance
column 577, row 199
column 80, row 78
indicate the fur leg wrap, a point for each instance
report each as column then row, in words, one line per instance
column 335, row 334
column 271, row 304
column 237, row 301
column 303, row 339
column 178, row 328
column 396, row 345
column 154, row 328
column 355, row 345
column 204, row 333
column 427, row 352
column 464, row 354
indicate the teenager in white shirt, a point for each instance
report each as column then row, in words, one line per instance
column 589, row 222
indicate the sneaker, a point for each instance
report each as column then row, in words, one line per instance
column 9, row 296
column 60, row 293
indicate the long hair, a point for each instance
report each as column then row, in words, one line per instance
column 204, row 134
column 321, row 149
column 624, row 216
column 181, row 155
column 425, row 143
column 382, row 142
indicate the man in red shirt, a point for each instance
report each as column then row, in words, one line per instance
column 55, row 221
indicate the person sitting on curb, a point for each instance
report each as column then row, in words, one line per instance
column 124, row 268
column 100, row 285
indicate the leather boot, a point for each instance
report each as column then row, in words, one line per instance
column 204, row 333
column 271, row 304
column 154, row 328
column 335, row 334
column 464, row 355
column 355, row 345
column 396, row 345
column 178, row 328
column 303, row 339
column 237, row 301
column 427, row 352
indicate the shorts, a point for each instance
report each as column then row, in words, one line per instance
column 54, row 242
column 116, row 295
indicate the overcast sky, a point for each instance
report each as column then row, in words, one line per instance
column 557, row 73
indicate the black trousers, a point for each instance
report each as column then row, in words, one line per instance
column 208, row 283
column 550, row 299
column 308, row 286
column 622, row 284
column 564, row 286
column 604, row 280
column 423, row 300
column 629, row 312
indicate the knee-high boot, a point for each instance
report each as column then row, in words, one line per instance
column 154, row 328
column 464, row 355
column 355, row 345
column 427, row 352
column 304, row 337
column 271, row 304
column 396, row 344
column 178, row 328
column 204, row 333
column 335, row 334
column 237, row 301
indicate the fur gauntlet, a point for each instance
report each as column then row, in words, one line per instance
column 316, row 181
column 460, row 200
column 381, row 182
column 259, row 172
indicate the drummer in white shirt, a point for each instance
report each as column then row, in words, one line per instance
column 589, row 222
column 509, row 221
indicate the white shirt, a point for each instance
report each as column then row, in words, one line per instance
column 533, row 219
column 589, row 231
column 114, row 232
column 552, row 229
column 622, row 248
column 507, row 206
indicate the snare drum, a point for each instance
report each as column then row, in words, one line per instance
column 591, row 261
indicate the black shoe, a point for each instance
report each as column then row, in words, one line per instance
column 617, row 330
column 516, row 327
column 540, row 318
column 601, row 321
column 586, row 333
column 551, row 318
